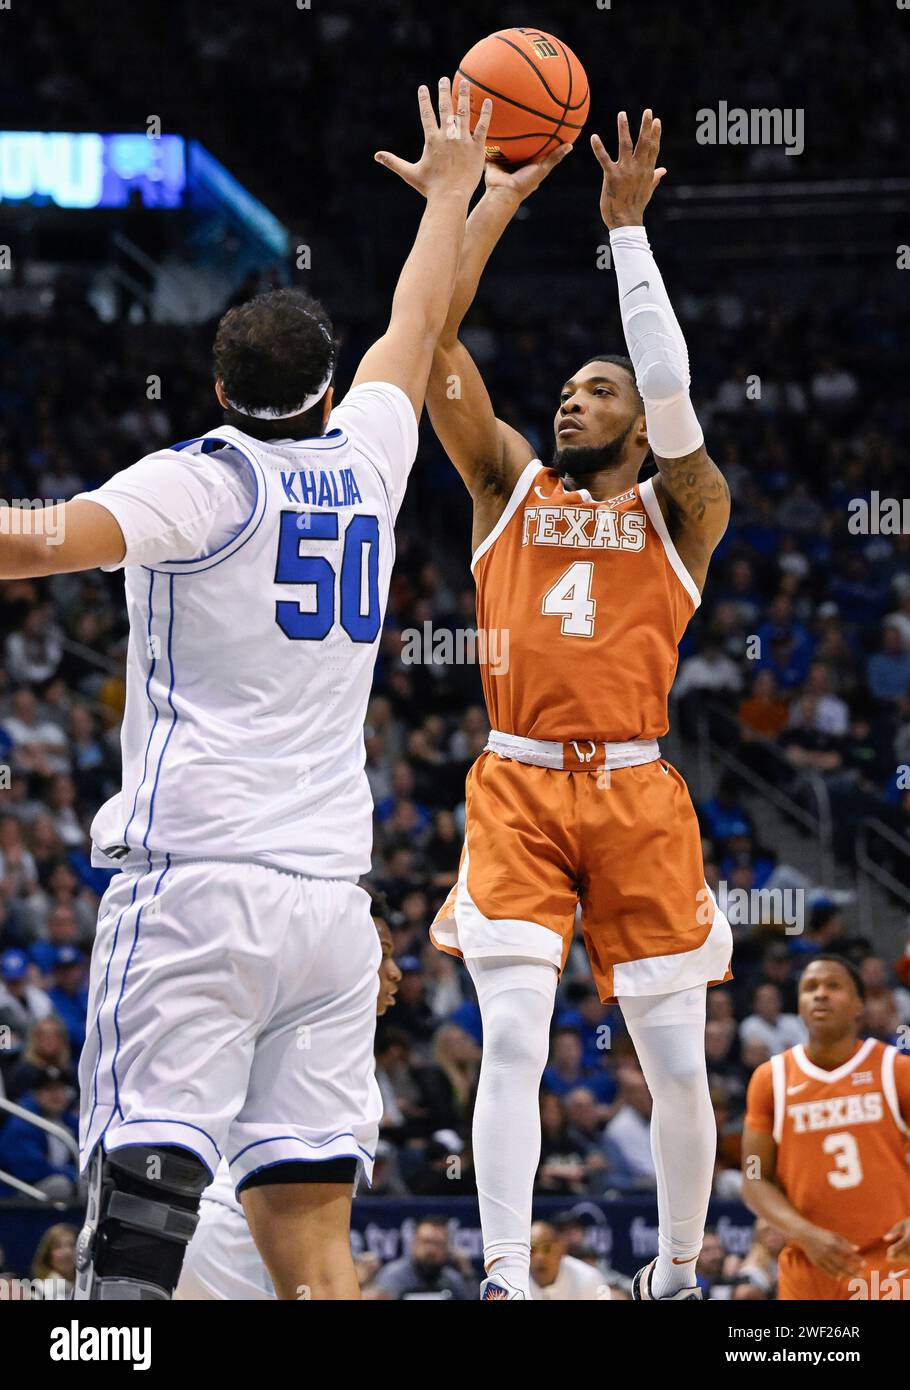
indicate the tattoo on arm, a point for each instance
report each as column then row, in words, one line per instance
column 694, row 487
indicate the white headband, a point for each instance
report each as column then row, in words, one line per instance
column 270, row 414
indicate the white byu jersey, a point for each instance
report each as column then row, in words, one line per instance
column 257, row 576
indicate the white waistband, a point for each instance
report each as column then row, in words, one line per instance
column 545, row 753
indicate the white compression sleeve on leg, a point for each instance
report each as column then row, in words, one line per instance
column 668, row 1031
column 516, row 1004
column 656, row 346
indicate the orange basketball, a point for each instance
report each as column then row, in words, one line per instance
column 539, row 90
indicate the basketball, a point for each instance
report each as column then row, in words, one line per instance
column 539, row 89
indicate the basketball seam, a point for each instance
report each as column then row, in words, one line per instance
column 525, row 135
column 519, row 105
column 534, row 68
column 569, row 93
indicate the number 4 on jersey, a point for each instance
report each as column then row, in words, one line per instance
column 570, row 599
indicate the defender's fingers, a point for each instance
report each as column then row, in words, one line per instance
column 603, row 159
column 446, row 117
column 625, row 138
column 644, row 130
column 427, row 114
column 402, row 167
column 464, row 109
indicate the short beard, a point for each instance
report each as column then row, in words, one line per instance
column 582, row 460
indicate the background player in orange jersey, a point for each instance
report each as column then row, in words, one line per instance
column 593, row 577
column 825, row 1148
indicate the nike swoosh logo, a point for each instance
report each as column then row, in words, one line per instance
column 792, row 1090
column 684, row 1262
column 643, row 284
column 540, row 494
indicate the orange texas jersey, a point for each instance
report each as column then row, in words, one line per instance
column 842, row 1137
column 584, row 604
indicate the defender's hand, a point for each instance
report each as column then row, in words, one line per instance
column 453, row 157
column 630, row 180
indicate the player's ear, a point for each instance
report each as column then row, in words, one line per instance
column 219, row 392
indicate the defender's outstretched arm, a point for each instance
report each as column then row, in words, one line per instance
column 692, row 491
column 447, row 174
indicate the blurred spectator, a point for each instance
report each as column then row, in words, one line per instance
column 709, row 1267
column 457, row 1055
column 567, row 1070
column 757, row 1274
column 562, row 1170
column 556, row 1275
column 47, row 1046
column 22, row 1003
column 888, row 671
column 68, row 993
column 417, row 1099
column 427, row 1271
column 412, row 1012
column 38, row 744
column 768, row 1024
column 629, row 1131
column 34, row 1155
column 55, row 1261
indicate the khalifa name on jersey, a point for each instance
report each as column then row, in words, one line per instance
column 323, row 489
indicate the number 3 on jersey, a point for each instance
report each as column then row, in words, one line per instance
column 359, row 587
column 570, row 599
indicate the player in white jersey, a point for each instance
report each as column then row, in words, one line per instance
column 222, row 1262
column 233, row 981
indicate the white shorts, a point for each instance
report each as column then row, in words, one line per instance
column 232, row 1012
column 221, row 1260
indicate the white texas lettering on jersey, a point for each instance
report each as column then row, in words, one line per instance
column 862, row 1109
column 584, row 528
column 250, row 666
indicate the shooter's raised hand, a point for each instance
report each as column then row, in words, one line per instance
column 520, row 183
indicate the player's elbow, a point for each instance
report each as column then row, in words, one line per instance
column 662, row 381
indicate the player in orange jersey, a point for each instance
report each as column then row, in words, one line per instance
column 593, row 576
column 825, row 1148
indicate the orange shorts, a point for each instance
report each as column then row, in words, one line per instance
column 624, row 845
column 801, row 1281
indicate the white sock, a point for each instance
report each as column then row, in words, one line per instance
column 668, row 1031
column 516, row 1004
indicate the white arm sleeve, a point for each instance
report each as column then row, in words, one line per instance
column 656, row 346
column 175, row 506
column 380, row 421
